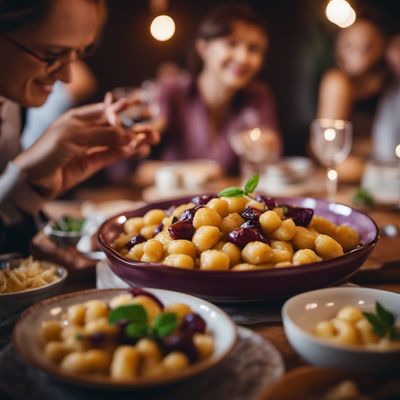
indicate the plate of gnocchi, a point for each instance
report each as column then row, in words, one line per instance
column 240, row 248
column 352, row 328
column 124, row 339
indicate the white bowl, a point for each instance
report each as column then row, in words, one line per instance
column 26, row 339
column 301, row 314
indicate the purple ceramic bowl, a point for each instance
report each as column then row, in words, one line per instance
column 240, row 286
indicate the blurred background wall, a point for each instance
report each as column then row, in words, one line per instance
column 301, row 40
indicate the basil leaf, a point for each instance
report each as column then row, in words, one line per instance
column 128, row 312
column 377, row 325
column 136, row 329
column 231, row 192
column 251, row 184
column 164, row 324
column 385, row 315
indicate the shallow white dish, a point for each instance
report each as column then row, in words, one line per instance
column 301, row 313
column 27, row 344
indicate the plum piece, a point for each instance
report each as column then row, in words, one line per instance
column 194, row 323
column 301, row 216
column 140, row 292
column 188, row 215
column 181, row 340
column 203, row 198
column 181, row 230
column 251, row 213
column 270, row 202
column 242, row 236
column 252, row 224
column 135, row 240
column 121, row 336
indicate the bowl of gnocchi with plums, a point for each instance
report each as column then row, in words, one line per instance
column 124, row 338
column 345, row 327
column 238, row 245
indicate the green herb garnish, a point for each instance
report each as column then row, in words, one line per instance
column 383, row 322
column 136, row 316
column 69, row 224
column 362, row 196
column 130, row 312
column 249, row 187
column 164, row 324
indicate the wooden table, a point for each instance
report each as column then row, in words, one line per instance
column 272, row 331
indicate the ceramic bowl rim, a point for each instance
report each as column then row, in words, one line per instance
column 286, row 318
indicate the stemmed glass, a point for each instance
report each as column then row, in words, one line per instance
column 256, row 148
column 330, row 142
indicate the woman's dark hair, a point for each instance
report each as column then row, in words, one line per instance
column 17, row 13
column 219, row 23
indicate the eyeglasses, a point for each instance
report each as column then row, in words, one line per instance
column 56, row 61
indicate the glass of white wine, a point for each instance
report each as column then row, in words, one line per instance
column 330, row 142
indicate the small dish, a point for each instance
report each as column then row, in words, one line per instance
column 26, row 340
column 301, row 313
column 13, row 303
column 62, row 238
column 290, row 170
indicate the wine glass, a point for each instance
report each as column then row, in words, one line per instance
column 330, row 142
column 256, row 148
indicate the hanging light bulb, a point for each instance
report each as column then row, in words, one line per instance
column 162, row 28
column 340, row 13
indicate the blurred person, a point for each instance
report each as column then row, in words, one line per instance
column 351, row 90
column 38, row 41
column 220, row 95
column 386, row 128
column 64, row 96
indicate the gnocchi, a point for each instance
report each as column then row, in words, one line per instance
column 131, row 336
column 235, row 234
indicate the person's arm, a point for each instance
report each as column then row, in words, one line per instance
column 335, row 96
column 77, row 145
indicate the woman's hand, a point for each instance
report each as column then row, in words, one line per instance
column 80, row 143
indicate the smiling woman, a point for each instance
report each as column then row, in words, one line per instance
column 221, row 95
column 38, row 41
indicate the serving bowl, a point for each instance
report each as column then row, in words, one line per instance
column 14, row 302
column 240, row 286
column 27, row 342
column 301, row 313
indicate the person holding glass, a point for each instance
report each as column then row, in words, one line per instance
column 201, row 110
column 351, row 90
column 38, row 41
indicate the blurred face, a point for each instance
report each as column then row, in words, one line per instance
column 393, row 55
column 234, row 60
column 359, row 48
column 70, row 26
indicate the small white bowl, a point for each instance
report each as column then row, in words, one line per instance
column 301, row 314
